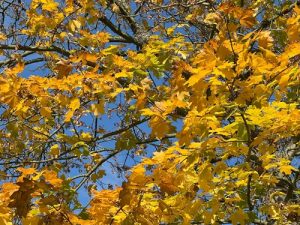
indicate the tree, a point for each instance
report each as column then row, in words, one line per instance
column 164, row 112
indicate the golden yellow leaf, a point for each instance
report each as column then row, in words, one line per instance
column 46, row 112
column 51, row 177
column 160, row 127
column 54, row 150
column 200, row 75
column 213, row 18
column 247, row 18
column 265, row 39
column 50, row 5
column 239, row 217
column 26, row 171
column 2, row 37
column 287, row 169
column 69, row 115
column 74, row 104
column 85, row 136
column 74, row 25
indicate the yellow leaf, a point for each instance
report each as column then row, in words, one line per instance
column 98, row 109
column 54, row 150
column 85, row 136
column 115, row 8
column 292, row 50
column 265, row 39
column 138, row 174
column 75, row 104
column 160, row 127
column 284, row 79
column 89, row 57
column 103, row 37
column 69, row 115
column 124, row 74
column 50, row 5
column 147, row 112
column 213, row 18
column 2, row 37
column 63, row 68
column 51, row 177
column 239, row 217
column 269, row 55
column 46, row 112
column 247, row 19
column 26, row 171
column 74, row 25
column 36, row 220
column 286, row 169
column 197, row 77
column 15, row 70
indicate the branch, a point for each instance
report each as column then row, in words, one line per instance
column 122, row 129
column 130, row 20
column 150, row 140
column 249, row 193
column 34, row 61
column 248, row 160
column 292, row 186
column 265, row 23
column 53, row 48
column 248, row 133
column 119, row 39
column 87, row 176
column 116, row 30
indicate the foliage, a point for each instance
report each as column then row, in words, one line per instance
column 193, row 105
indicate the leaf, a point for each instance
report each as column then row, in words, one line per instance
column 46, row 112
column 148, row 112
column 26, row 171
column 2, row 37
column 63, row 68
column 54, row 150
column 200, row 75
column 239, row 217
column 265, row 39
column 126, row 141
column 75, row 104
column 98, row 175
column 85, row 136
column 217, row 82
column 98, row 109
column 23, row 194
column 247, row 19
column 50, row 5
column 287, row 169
column 159, row 127
column 51, row 177
column 212, row 18
column 74, row 25
column 69, row 115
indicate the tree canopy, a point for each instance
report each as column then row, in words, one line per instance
column 162, row 111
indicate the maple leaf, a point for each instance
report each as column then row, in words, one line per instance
column 54, row 150
column 247, row 18
column 51, row 177
column 239, row 217
column 97, row 109
column 159, row 127
column 63, row 68
column 23, row 194
column 73, row 106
